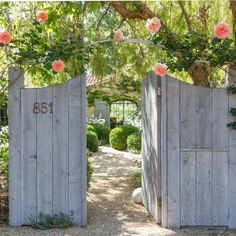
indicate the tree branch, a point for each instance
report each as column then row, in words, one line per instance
column 185, row 14
column 233, row 9
column 103, row 15
column 142, row 12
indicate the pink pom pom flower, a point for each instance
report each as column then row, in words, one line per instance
column 5, row 37
column 42, row 16
column 58, row 65
column 160, row 69
column 118, row 35
column 221, row 30
column 153, row 24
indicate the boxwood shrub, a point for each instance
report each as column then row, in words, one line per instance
column 92, row 139
column 134, row 142
column 102, row 132
column 119, row 135
column 90, row 128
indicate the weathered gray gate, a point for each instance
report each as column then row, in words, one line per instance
column 189, row 154
column 47, row 159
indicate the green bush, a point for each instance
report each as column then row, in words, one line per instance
column 45, row 222
column 119, row 135
column 102, row 132
column 89, row 172
column 137, row 179
column 4, row 139
column 92, row 141
column 90, row 128
column 134, row 142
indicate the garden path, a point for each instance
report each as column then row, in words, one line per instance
column 111, row 210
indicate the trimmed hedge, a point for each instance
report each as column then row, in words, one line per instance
column 102, row 132
column 134, row 142
column 119, row 135
column 92, row 140
column 90, row 128
column 89, row 168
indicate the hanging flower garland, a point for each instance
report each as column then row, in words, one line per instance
column 153, row 25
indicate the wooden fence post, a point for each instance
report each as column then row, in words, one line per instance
column 16, row 82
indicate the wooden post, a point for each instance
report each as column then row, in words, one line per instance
column 16, row 82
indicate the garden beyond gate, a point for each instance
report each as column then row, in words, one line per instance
column 189, row 154
column 47, row 152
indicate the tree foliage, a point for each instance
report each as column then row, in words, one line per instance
column 187, row 27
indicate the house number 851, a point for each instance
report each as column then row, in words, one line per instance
column 42, row 107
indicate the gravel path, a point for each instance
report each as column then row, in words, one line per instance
column 110, row 208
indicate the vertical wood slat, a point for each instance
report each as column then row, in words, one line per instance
column 204, row 188
column 153, row 148
column 220, row 188
column 220, row 119
column 188, row 189
column 164, row 172
column 83, row 152
column 232, row 167
column 44, row 154
column 173, row 153
column 146, row 140
column 76, row 149
column 149, row 152
column 187, row 116
column 158, row 143
column 28, row 156
column 60, row 149
column 16, row 82
column 204, row 116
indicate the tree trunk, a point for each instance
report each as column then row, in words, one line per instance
column 231, row 75
column 199, row 74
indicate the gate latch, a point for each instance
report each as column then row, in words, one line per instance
column 185, row 160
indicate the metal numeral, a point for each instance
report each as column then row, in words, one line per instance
column 42, row 107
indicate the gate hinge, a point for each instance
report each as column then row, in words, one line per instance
column 158, row 91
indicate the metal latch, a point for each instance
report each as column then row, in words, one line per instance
column 158, row 91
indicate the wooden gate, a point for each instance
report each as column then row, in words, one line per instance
column 47, row 158
column 194, row 170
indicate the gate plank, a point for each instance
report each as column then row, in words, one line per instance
column 16, row 82
column 220, row 188
column 204, row 117
column 164, row 171
column 76, row 150
column 220, row 119
column 60, row 149
column 149, row 153
column 204, row 188
column 187, row 116
column 173, row 153
column 83, row 151
column 44, row 155
column 232, row 167
column 145, row 140
column 153, row 149
column 188, row 189
column 28, row 155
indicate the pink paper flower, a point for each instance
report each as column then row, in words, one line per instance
column 42, row 16
column 5, row 37
column 160, row 69
column 58, row 65
column 221, row 30
column 118, row 35
column 153, row 24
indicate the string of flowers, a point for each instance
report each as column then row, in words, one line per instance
column 221, row 31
